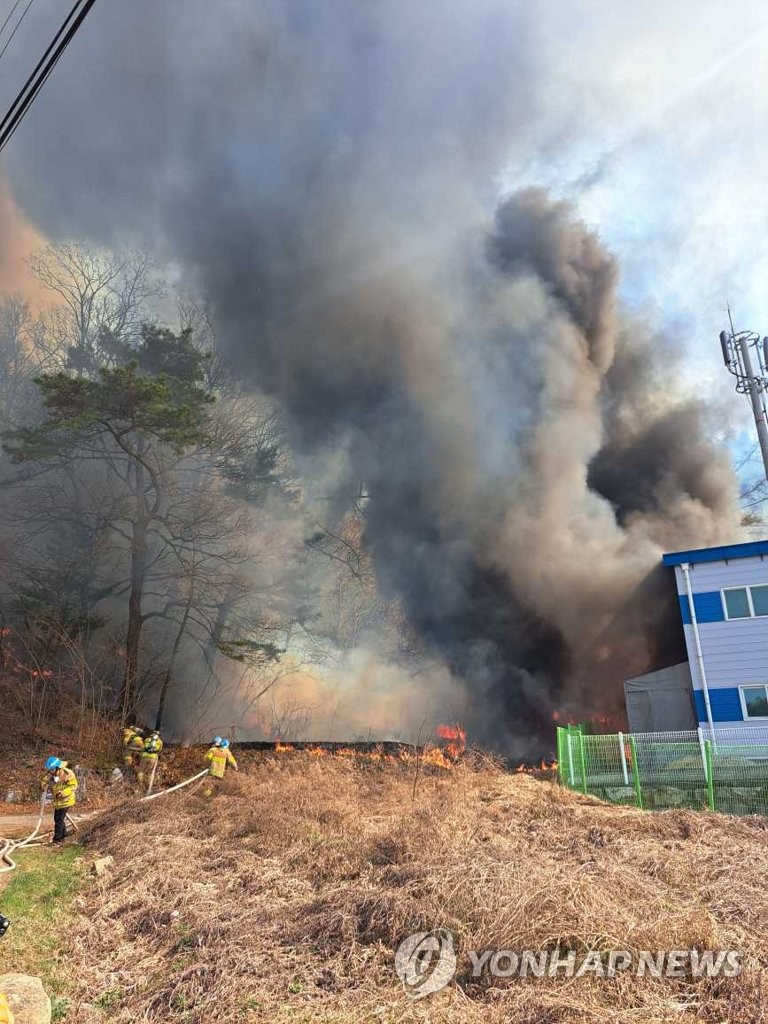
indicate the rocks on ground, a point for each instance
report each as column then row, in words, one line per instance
column 27, row 998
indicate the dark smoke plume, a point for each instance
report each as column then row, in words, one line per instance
column 323, row 172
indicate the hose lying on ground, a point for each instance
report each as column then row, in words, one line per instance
column 179, row 785
column 9, row 846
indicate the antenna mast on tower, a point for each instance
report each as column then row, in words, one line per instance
column 741, row 351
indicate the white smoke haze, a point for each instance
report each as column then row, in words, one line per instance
column 329, row 176
column 358, row 698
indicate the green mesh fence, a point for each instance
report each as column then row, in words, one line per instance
column 726, row 770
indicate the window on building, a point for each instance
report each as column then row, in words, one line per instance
column 754, row 701
column 746, row 602
column 759, row 597
column 737, row 604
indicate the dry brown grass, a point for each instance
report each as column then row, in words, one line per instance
column 75, row 732
column 285, row 900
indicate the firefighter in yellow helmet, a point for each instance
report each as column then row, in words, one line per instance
column 133, row 744
column 6, row 1017
column 62, row 782
column 218, row 757
column 150, row 756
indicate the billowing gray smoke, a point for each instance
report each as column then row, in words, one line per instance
column 324, row 172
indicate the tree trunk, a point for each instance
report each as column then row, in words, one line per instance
column 135, row 619
column 175, row 650
column 217, row 631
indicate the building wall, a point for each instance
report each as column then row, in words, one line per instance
column 736, row 651
column 661, row 701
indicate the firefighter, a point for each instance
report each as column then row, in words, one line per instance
column 62, row 781
column 150, row 756
column 6, row 1017
column 133, row 744
column 218, row 757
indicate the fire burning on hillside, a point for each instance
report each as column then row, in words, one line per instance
column 445, row 756
column 544, row 767
column 457, row 739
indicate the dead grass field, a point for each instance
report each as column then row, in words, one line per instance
column 286, row 899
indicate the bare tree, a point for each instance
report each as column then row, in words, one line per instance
column 101, row 301
column 26, row 350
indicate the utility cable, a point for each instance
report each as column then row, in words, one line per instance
column 9, row 40
column 43, row 70
column 9, row 16
column 31, row 80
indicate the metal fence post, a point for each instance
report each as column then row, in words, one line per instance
column 710, row 775
column 700, row 735
column 636, row 773
column 583, row 763
column 569, row 745
column 623, row 754
column 560, row 754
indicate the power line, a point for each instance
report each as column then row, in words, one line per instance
column 37, row 78
column 16, row 28
column 9, row 16
column 43, row 70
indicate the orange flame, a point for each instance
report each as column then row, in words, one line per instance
column 457, row 739
column 533, row 769
column 436, row 756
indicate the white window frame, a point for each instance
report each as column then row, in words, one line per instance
column 738, row 618
column 742, row 701
column 750, row 602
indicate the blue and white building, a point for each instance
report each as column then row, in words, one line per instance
column 723, row 595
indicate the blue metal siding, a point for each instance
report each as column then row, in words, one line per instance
column 725, row 704
column 708, row 605
column 736, row 650
column 754, row 548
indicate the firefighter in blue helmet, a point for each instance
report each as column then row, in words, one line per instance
column 218, row 757
column 62, row 782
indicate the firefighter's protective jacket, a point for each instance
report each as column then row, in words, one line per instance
column 132, row 740
column 219, row 758
column 152, row 747
column 6, row 1017
column 63, row 785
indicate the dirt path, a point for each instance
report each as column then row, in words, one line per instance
column 14, row 825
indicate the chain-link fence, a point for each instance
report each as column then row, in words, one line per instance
column 725, row 769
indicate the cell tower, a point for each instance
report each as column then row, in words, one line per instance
column 741, row 350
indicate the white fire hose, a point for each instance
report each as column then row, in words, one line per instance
column 9, row 846
column 179, row 785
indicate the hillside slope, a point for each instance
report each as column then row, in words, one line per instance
column 285, row 899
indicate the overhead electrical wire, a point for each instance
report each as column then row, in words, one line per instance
column 17, row 26
column 43, row 70
column 9, row 16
